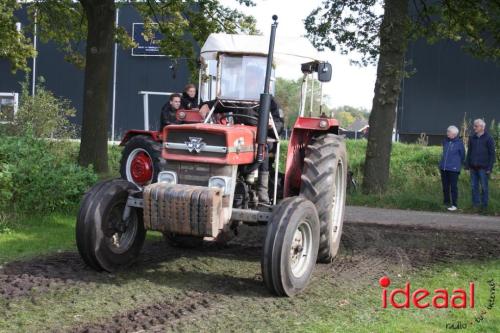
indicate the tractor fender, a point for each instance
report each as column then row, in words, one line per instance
column 155, row 135
column 303, row 131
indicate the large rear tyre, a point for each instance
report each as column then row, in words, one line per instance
column 290, row 247
column 324, row 181
column 140, row 162
column 104, row 239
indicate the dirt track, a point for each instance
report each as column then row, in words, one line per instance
column 367, row 253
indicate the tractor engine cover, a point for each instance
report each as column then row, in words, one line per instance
column 183, row 209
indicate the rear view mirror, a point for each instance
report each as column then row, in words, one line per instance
column 324, row 72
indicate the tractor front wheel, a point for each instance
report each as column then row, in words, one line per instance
column 140, row 162
column 107, row 239
column 290, row 247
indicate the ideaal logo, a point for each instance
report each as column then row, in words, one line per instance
column 421, row 298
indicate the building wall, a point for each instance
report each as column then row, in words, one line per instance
column 448, row 85
column 134, row 74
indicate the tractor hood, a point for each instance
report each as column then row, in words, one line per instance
column 209, row 143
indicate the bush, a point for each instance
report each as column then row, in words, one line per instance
column 39, row 175
column 44, row 115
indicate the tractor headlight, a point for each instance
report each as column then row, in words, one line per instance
column 168, row 177
column 224, row 183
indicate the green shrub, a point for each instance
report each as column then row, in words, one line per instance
column 44, row 115
column 41, row 175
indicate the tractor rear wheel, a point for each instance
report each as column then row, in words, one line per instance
column 290, row 247
column 140, row 162
column 104, row 239
column 324, row 181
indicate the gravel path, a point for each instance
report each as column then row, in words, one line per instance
column 442, row 221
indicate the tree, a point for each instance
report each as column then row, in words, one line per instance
column 354, row 112
column 345, row 118
column 356, row 25
column 14, row 45
column 184, row 22
column 287, row 94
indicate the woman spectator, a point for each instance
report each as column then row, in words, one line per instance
column 189, row 97
column 451, row 162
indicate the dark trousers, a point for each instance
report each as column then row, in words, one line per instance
column 479, row 178
column 449, row 179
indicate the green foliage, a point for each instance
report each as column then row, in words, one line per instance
column 38, row 175
column 474, row 23
column 184, row 23
column 357, row 113
column 287, row 94
column 345, row 118
column 14, row 45
column 354, row 25
column 44, row 115
column 415, row 181
column 347, row 26
column 6, row 185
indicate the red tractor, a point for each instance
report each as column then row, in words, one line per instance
column 199, row 182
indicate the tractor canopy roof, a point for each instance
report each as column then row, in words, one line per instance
column 284, row 49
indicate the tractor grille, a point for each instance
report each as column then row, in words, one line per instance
column 178, row 143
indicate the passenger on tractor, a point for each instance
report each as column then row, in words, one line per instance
column 169, row 111
column 189, row 97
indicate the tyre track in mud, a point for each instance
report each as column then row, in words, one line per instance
column 367, row 252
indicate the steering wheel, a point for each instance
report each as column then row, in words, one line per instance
column 229, row 115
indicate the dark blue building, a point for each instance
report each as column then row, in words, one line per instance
column 141, row 69
column 448, row 85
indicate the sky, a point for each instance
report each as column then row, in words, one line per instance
column 351, row 85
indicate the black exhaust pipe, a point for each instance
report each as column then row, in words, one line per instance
column 265, row 98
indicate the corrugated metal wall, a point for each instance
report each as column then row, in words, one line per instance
column 134, row 74
column 448, row 83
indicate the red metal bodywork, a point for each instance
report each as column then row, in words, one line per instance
column 303, row 130
column 241, row 136
column 189, row 116
column 155, row 135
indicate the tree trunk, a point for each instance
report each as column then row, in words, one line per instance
column 393, row 43
column 99, row 55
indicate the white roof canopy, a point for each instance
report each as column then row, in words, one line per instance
column 285, row 47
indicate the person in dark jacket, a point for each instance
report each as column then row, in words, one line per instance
column 480, row 160
column 169, row 111
column 189, row 97
column 452, row 159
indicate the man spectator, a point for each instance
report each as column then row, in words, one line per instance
column 480, row 159
column 169, row 111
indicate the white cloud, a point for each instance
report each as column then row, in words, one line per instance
column 350, row 85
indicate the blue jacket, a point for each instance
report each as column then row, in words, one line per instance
column 481, row 152
column 453, row 155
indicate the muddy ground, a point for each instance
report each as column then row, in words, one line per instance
column 367, row 253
